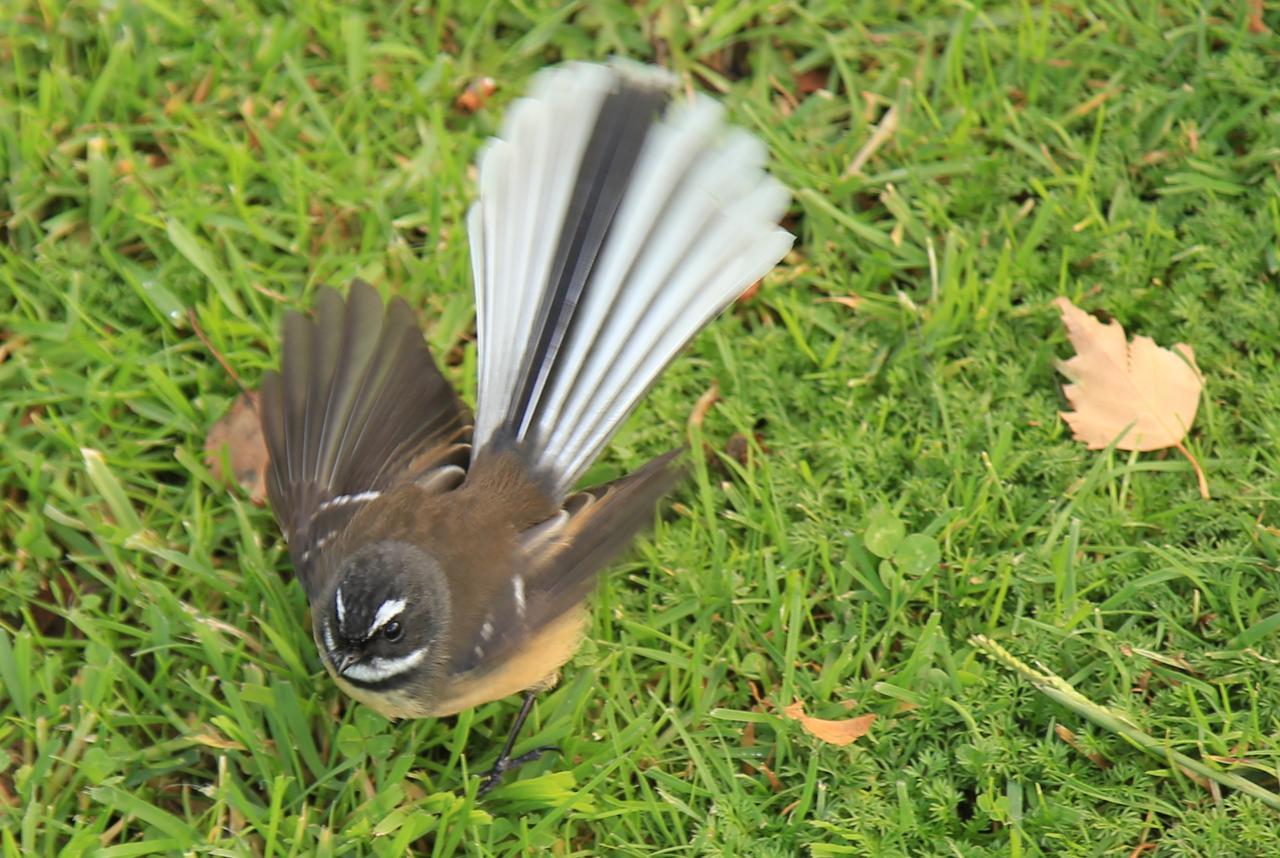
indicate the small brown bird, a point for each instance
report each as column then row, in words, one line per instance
column 447, row 562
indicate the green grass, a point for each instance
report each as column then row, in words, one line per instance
column 159, row 692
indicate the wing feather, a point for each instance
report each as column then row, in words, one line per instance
column 559, row 563
column 358, row 406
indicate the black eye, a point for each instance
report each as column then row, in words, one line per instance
column 392, row 631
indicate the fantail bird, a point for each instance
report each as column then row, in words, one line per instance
column 446, row 562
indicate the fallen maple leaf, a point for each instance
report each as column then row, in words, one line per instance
column 841, row 733
column 1135, row 395
column 241, row 433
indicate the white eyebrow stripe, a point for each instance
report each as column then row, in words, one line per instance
column 342, row 609
column 343, row 500
column 387, row 612
column 380, row 669
column 517, row 590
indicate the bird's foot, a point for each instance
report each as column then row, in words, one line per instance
column 506, row 764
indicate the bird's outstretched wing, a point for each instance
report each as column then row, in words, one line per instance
column 358, row 407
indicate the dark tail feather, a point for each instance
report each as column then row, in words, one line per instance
column 620, row 511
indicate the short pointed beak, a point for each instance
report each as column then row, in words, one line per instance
column 342, row 661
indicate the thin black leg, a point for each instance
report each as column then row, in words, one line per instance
column 504, row 762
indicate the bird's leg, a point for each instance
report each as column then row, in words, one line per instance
column 504, row 762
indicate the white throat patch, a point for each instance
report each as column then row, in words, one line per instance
column 381, row 669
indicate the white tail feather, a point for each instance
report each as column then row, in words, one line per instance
column 526, row 179
column 696, row 225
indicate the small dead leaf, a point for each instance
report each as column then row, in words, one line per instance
column 246, row 450
column 1174, row 661
column 10, row 343
column 774, row 783
column 211, row 738
column 786, row 102
column 1091, row 104
column 883, row 132
column 224, row 628
column 1139, row 393
column 807, row 83
column 476, row 95
column 1070, row 738
column 1198, row 779
column 850, row 301
column 844, row 732
column 749, row 293
column 740, row 448
column 703, row 405
column 1257, row 25
column 202, row 88
column 1155, row 156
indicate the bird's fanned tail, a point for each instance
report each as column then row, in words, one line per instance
column 610, row 228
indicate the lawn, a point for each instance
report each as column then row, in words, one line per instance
column 175, row 168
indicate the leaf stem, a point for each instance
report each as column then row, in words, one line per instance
column 1200, row 478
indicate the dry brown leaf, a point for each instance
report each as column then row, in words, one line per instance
column 1257, row 25
column 211, row 738
column 774, row 783
column 850, row 301
column 883, row 132
column 246, row 450
column 840, row 733
column 749, row 293
column 809, row 82
column 476, row 95
column 1136, row 394
column 1151, row 391
column 1175, row 661
column 1070, row 738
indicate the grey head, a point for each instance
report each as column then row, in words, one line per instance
column 384, row 622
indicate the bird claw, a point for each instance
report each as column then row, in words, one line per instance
column 506, row 764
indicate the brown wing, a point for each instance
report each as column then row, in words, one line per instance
column 358, row 407
column 558, row 561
